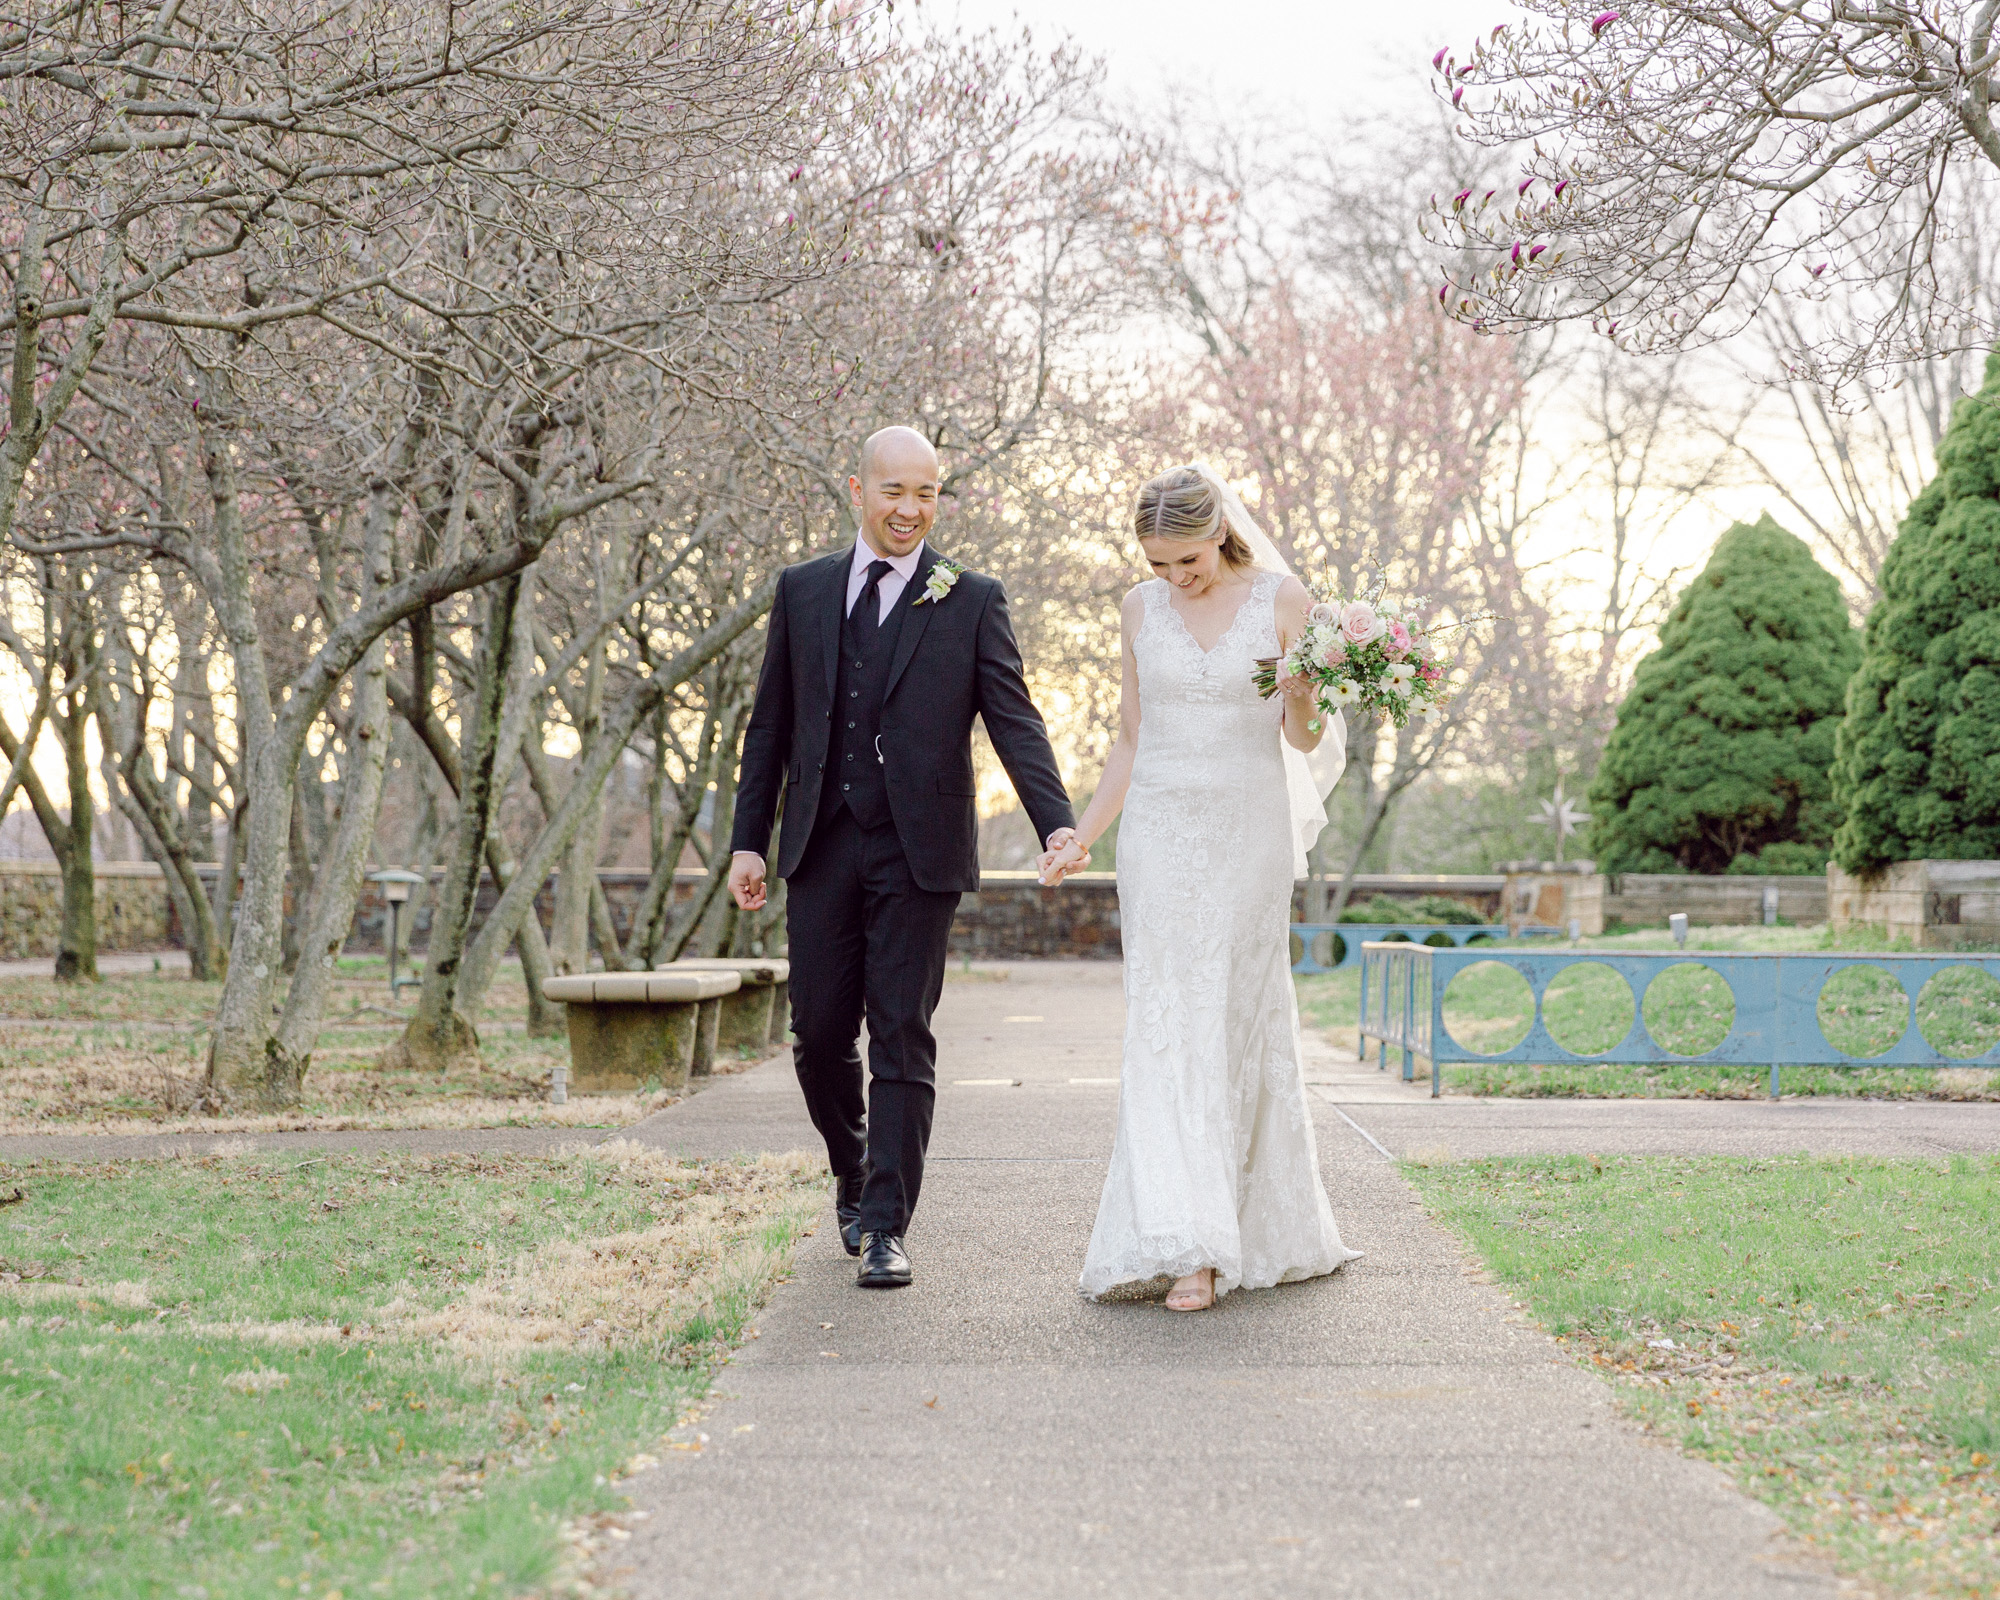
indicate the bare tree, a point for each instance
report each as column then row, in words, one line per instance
column 1681, row 162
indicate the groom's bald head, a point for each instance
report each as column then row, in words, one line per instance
column 900, row 446
column 896, row 493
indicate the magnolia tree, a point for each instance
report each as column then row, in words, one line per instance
column 419, row 292
column 1680, row 163
column 530, row 491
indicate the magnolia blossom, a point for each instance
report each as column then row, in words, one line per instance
column 1401, row 672
column 1432, row 713
column 1343, row 693
column 1359, row 624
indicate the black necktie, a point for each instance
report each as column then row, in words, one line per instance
column 867, row 608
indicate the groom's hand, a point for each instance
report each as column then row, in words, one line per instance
column 1066, row 854
column 746, row 880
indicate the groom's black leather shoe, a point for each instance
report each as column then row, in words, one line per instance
column 847, row 1210
column 884, row 1265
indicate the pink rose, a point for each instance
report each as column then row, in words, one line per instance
column 1359, row 624
column 1399, row 636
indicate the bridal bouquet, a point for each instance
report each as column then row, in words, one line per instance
column 1370, row 654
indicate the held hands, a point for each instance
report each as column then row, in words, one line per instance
column 746, row 880
column 1066, row 854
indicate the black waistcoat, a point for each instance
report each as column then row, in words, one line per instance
column 858, row 778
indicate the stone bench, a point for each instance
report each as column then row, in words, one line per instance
column 627, row 1028
column 758, row 1015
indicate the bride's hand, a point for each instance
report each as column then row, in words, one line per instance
column 1298, row 687
column 1052, row 866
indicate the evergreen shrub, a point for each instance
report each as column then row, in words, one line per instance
column 1917, row 768
column 1720, row 756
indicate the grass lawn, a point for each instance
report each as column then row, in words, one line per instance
column 129, row 1054
column 359, row 1375
column 1826, row 1331
column 1688, row 1009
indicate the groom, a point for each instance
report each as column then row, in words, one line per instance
column 876, row 660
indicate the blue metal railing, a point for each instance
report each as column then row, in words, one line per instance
column 1776, row 999
column 1347, row 938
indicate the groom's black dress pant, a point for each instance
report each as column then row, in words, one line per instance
column 867, row 942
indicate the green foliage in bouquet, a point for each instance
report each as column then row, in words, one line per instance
column 1917, row 767
column 1719, row 759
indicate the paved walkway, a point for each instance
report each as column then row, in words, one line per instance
column 1393, row 1431
column 1397, row 1430
column 123, row 962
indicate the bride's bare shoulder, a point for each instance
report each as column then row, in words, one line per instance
column 1134, row 603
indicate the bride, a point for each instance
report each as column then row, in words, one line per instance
column 1214, row 1177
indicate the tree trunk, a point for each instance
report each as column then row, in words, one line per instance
column 129, row 777
column 717, row 930
column 438, row 1035
column 298, row 876
column 328, row 912
column 655, row 909
column 570, row 947
column 230, row 870
column 245, row 1064
column 76, row 944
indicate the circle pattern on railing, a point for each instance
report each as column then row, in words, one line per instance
column 1488, row 1008
column 1689, row 1009
column 1958, row 1012
column 1863, row 1011
column 1587, row 1008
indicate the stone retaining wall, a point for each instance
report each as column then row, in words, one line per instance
column 132, row 908
column 1644, row 899
column 1936, row 905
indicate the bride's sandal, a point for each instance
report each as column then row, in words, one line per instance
column 1195, row 1292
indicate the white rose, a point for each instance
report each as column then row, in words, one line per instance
column 1323, row 613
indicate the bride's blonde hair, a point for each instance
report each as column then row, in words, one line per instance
column 1179, row 504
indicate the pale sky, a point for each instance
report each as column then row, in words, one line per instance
column 1313, row 57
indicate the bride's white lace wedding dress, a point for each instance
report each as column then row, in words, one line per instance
column 1215, row 1162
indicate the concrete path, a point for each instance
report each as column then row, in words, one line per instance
column 369, row 1141
column 1393, row 1431
column 1464, row 1128
column 122, row 962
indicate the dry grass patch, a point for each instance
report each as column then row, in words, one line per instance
column 634, row 1285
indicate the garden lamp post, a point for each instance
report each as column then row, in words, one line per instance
column 396, row 884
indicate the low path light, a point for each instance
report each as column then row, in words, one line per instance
column 396, row 882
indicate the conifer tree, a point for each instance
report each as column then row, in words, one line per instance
column 1917, row 768
column 1719, row 759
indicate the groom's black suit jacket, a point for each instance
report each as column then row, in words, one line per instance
column 954, row 659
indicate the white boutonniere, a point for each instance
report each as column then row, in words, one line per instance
column 938, row 583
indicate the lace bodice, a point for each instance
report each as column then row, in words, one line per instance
column 1214, row 1163
column 1208, row 750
